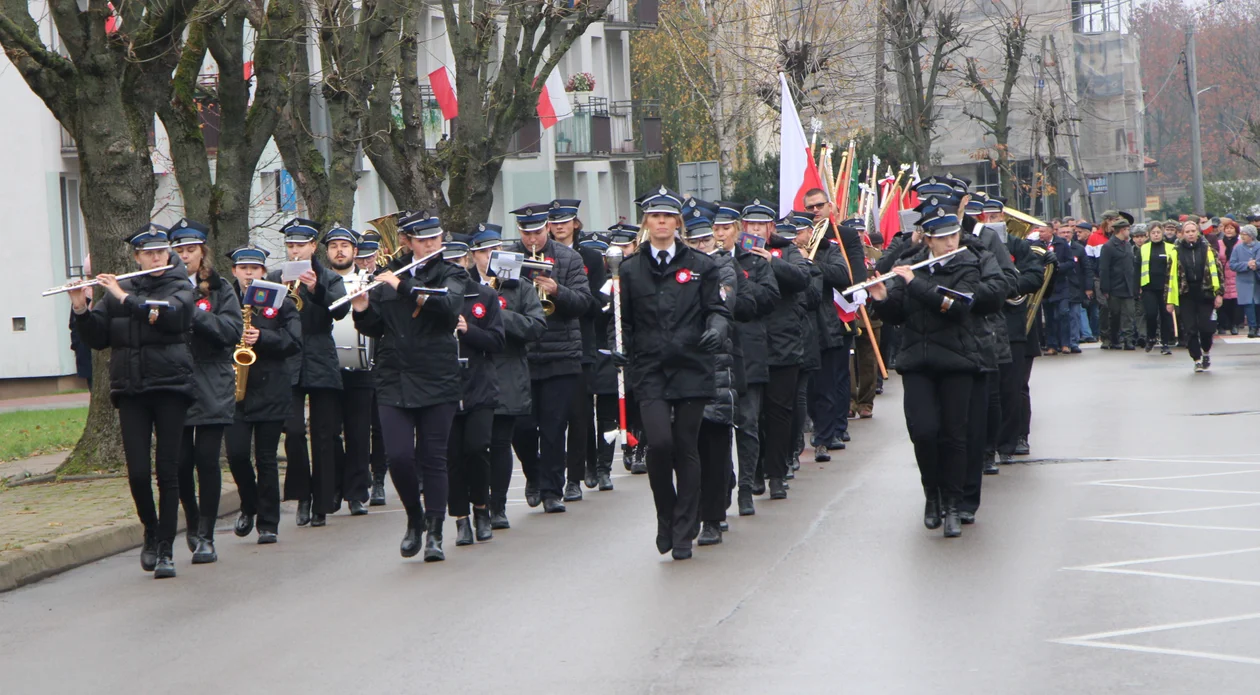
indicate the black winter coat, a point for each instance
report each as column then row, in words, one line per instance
column 1117, row 269
column 523, row 324
column 1030, row 261
column 483, row 339
column 417, row 361
column 990, row 297
column 783, row 326
column 596, row 274
column 664, row 311
column 317, row 367
column 216, row 330
column 763, row 291
column 269, row 388
column 740, row 298
column 727, row 364
column 832, row 332
column 811, row 358
column 559, row 351
column 145, row 358
column 993, row 238
column 932, row 340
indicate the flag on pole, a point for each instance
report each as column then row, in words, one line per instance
column 442, row 81
column 797, row 171
column 553, row 107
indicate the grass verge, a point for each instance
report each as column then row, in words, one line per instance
column 33, row 432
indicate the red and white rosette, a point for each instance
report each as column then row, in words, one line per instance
column 479, row 310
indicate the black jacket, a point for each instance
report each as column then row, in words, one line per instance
column 1030, row 261
column 664, row 312
column 596, row 275
column 559, row 351
column 727, row 365
column 990, row 296
column 483, row 339
column 832, row 332
column 145, row 358
column 317, row 366
column 763, row 292
column 740, row 295
column 932, row 340
column 417, row 361
column 216, row 330
column 783, row 325
column 523, row 324
column 269, row 388
column 810, row 299
column 1117, row 270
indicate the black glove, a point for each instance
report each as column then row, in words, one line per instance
column 710, row 340
column 618, row 359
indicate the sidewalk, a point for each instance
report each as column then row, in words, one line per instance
column 47, row 528
column 61, row 400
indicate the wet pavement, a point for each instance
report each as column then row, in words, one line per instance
column 1123, row 556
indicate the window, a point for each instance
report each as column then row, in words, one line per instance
column 72, row 228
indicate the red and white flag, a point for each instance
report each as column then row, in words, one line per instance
column 442, row 81
column 553, row 106
column 797, row 171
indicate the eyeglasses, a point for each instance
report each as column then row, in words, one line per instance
column 816, row 206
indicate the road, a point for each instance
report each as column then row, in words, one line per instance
column 1124, row 557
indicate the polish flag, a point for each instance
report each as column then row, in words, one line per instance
column 443, row 83
column 553, row 107
column 797, row 171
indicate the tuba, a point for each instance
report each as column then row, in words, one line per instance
column 243, row 356
column 387, row 226
column 1019, row 224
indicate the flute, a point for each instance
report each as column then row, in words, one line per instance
column 377, row 283
column 92, row 283
column 888, row 276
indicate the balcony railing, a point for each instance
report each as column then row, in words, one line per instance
column 627, row 129
column 68, row 147
column 636, row 128
column 632, row 14
column 432, row 123
column 587, row 133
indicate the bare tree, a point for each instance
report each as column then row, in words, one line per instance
column 923, row 37
column 995, row 85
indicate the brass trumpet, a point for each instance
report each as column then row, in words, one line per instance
column 293, row 294
column 243, row 356
column 548, row 306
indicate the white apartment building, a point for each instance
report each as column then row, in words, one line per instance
column 590, row 156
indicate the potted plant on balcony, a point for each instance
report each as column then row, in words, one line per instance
column 563, row 144
column 580, row 85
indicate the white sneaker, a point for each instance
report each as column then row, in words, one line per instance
column 1198, row 366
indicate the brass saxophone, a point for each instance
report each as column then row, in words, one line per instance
column 243, row 356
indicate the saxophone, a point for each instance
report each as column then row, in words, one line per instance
column 243, row 356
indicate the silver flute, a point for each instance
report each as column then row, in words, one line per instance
column 94, row 282
column 888, row 276
column 377, row 283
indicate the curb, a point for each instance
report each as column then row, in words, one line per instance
column 42, row 560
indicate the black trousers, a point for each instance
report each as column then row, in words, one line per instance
column 501, row 432
column 259, row 495
column 799, row 411
column 468, row 460
column 828, row 397
column 748, row 440
column 778, row 402
column 984, row 402
column 1011, row 378
column 540, row 437
column 1195, row 321
column 199, row 465
column 937, row 407
column 599, row 455
column 415, row 442
column 1229, row 315
column 143, row 418
column 380, row 464
column 672, row 431
column 581, row 416
column 1156, row 317
column 1024, row 423
column 717, row 470
column 353, row 472
column 312, row 476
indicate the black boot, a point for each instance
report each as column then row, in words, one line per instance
column 605, row 482
column 932, row 511
column 481, row 523
column 499, row 519
column 663, row 537
column 244, row 524
column 463, row 532
column 191, row 532
column 205, row 543
column 165, row 568
column 639, row 465
column 358, row 508
column 710, row 533
column 778, row 491
column 318, row 520
column 304, row 513
column 572, row 491
column 149, row 551
column 1021, row 447
column 990, row 467
column 746, row 507
column 552, row 505
column 953, row 523
column 411, row 539
column 433, row 540
column 377, row 498
column 759, row 485
column 532, row 497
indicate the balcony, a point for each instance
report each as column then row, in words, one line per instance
column 632, row 15
column 68, row 147
column 636, row 129
column 599, row 129
column 587, row 134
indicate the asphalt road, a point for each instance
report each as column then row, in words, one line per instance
column 1123, row 557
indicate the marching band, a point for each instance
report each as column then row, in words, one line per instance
column 700, row 345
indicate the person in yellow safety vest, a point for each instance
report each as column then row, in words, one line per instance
column 1155, row 258
column 1195, row 292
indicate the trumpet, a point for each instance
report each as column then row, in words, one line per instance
column 537, row 261
column 293, row 294
column 68, row 287
column 243, row 356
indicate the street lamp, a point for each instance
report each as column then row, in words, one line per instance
column 1192, row 85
